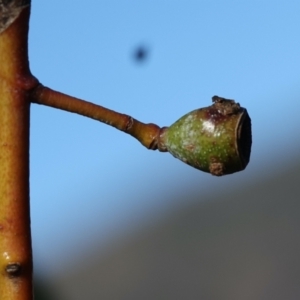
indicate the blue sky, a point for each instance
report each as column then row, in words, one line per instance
column 90, row 182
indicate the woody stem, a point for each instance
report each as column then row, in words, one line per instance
column 15, row 236
column 147, row 134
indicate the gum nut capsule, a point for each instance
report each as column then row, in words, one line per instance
column 215, row 139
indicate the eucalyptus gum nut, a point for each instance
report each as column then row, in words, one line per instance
column 215, row 139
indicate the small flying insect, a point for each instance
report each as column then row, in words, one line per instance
column 140, row 54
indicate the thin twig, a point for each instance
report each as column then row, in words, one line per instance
column 147, row 134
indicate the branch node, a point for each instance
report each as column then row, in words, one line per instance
column 129, row 123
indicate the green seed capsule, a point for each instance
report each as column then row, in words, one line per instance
column 215, row 139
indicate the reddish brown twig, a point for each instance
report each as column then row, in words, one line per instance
column 147, row 134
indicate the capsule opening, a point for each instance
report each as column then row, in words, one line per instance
column 244, row 138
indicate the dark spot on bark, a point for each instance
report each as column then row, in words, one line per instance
column 13, row 270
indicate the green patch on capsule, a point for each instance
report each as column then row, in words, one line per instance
column 212, row 139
